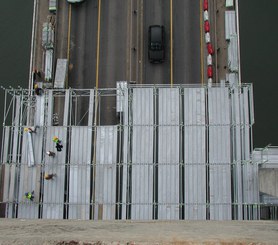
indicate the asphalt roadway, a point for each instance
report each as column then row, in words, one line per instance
column 127, row 232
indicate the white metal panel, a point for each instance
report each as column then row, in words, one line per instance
column 29, row 181
column 142, row 154
column 233, row 54
column 66, row 108
column 194, row 154
column 105, row 175
column 54, row 190
column 121, row 87
column 48, row 64
column 230, row 24
column 5, row 151
column 250, row 170
column 16, row 129
column 10, row 189
column 229, row 3
column 237, row 149
column 80, row 173
column 91, row 108
column 61, row 73
column 49, row 108
column 168, row 154
column 31, row 158
column 125, row 157
column 219, row 153
column 39, row 113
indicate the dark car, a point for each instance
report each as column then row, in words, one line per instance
column 156, row 50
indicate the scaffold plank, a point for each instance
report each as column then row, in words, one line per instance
column 80, row 173
column 219, row 153
column 105, row 173
column 142, row 154
column 168, row 154
column 194, row 154
column 54, row 190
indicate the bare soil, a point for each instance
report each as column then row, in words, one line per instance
column 18, row 231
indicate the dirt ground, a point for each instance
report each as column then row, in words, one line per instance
column 126, row 232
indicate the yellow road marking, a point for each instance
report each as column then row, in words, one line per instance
column 201, row 43
column 98, row 37
column 171, row 41
column 141, row 41
column 69, row 31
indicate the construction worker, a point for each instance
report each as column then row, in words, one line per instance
column 50, row 153
column 30, row 195
column 56, row 140
column 49, row 176
column 30, row 130
column 38, row 91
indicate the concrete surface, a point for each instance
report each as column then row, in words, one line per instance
column 183, row 232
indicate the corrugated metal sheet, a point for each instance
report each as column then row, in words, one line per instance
column 194, row 153
column 105, row 173
column 10, row 189
column 29, row 181
column 91, row 108
column 39, row 112
column 54, row 190
column 5, row 151
column 250, row 170
column 126, row 154
column 142, row 154
column 230, row 24
column 16, row 129
column 168, row 153
column 176, row 154
column 80, row 173
column 49, row 108
column 237, row 150
column 219, row 153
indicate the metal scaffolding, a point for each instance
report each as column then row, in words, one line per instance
column 175, row 153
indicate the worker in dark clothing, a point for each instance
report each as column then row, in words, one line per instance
column 49, row 176
column 59, row 147
column 30, row 195
column 38, row 91
column 50, row 153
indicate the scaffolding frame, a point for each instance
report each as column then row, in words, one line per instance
column 176, row 152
